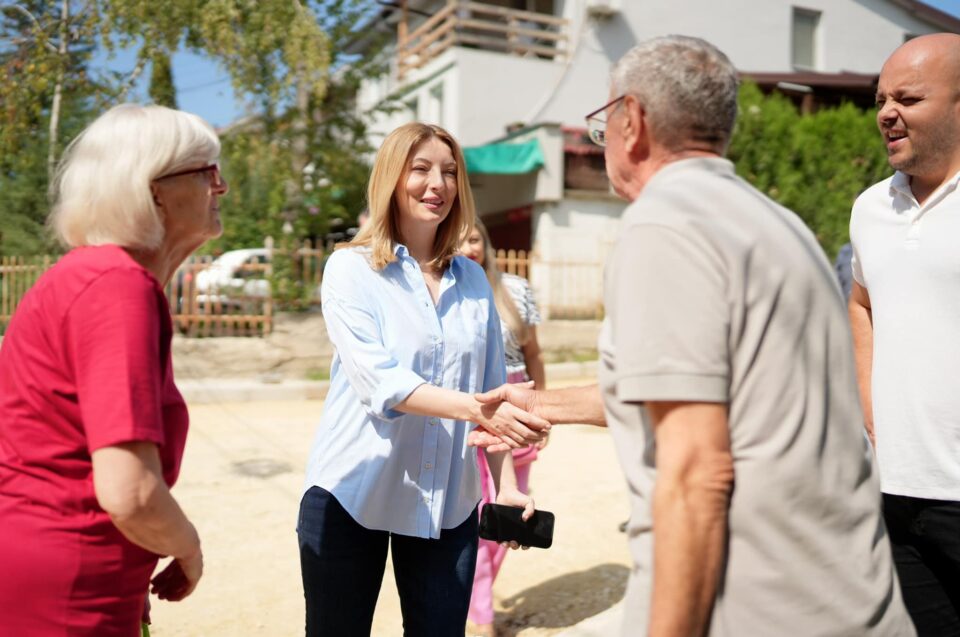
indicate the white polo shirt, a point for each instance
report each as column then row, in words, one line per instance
column 907, row 256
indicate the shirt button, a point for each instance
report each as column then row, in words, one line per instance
column 428, row 466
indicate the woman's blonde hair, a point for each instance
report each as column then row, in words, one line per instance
column 101, row 190
column 506, row 306
column 390, row 166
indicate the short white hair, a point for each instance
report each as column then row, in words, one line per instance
column 687, row 87
column 101, row 190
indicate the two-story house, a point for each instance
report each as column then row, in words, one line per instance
column 513, row 79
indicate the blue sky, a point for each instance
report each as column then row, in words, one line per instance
column 204, row 88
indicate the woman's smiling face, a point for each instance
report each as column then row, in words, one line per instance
column 428, row 188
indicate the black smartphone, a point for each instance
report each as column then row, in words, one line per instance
column 501, row 523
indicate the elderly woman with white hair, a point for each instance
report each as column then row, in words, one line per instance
column 92, row 427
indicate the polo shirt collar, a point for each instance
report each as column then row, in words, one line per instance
column 718, row 165
column 900, row 185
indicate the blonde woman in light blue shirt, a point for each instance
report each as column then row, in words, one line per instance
column 416, row 334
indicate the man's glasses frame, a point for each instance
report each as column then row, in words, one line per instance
column 212, row 169
column 596, row 127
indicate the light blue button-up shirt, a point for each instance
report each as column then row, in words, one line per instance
column 412, row 475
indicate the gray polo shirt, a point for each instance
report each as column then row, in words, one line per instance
column 716, row 294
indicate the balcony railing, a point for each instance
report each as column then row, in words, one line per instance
column 481, row 26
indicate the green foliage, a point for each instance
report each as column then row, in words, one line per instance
column 23, row 202
column 30, row 69
column 278, row 54
column 815, row 164
column 255, row 168
column 162, row 90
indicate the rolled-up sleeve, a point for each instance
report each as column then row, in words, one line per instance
column 377, row 378
column 355, row 329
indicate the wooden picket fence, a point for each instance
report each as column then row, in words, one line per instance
column 221, row 309
column 238, row 303
column 514, row 262
column 243, row 303
column 17, row 275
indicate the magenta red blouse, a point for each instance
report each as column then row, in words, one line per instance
column 84, row 364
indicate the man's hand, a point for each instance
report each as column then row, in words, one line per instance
column 513, row 425
column 521, row 395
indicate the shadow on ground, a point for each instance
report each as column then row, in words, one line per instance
column 563, row 601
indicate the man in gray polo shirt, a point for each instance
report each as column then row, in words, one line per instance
column 727, row 380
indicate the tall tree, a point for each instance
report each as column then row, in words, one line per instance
column 271, row 49
column 162, row 90
column 45, row 96
column 45, row 49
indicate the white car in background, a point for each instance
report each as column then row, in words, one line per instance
column 235, row 278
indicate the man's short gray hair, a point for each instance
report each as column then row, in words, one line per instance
column 686, row 86
column 102, row 187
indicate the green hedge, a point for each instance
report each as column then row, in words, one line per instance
column 815, row 164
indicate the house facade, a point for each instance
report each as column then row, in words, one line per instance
column 519, row 71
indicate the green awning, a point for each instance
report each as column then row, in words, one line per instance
column 504, row 158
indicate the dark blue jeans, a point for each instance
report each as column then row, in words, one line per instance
column 342, row 565
column 925, row 536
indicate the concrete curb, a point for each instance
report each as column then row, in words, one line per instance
column 267, row 388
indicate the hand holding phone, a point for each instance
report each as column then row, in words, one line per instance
column 501, row 523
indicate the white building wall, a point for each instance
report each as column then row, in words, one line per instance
column 572, row 239
column 854, row 35
column 485, row 91
column 497, row 90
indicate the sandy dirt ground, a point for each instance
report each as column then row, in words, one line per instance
column 241, row 484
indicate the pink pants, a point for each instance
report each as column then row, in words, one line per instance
column 490, row 555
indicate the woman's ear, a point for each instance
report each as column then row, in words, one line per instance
column 155, row 194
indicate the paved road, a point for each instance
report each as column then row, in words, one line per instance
column 241, row 483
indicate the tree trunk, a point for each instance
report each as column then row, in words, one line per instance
column 58, row 90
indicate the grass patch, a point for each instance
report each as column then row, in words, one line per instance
column 318, row 373
column 570, row 355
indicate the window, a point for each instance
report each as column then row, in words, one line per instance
column 805, row 27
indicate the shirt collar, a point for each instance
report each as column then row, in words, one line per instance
column 402, row 252
column 714, row 164
column 900, row 184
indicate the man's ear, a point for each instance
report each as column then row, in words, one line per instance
column 635, row 132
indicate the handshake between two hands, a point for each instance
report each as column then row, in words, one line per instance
column 508, row 419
